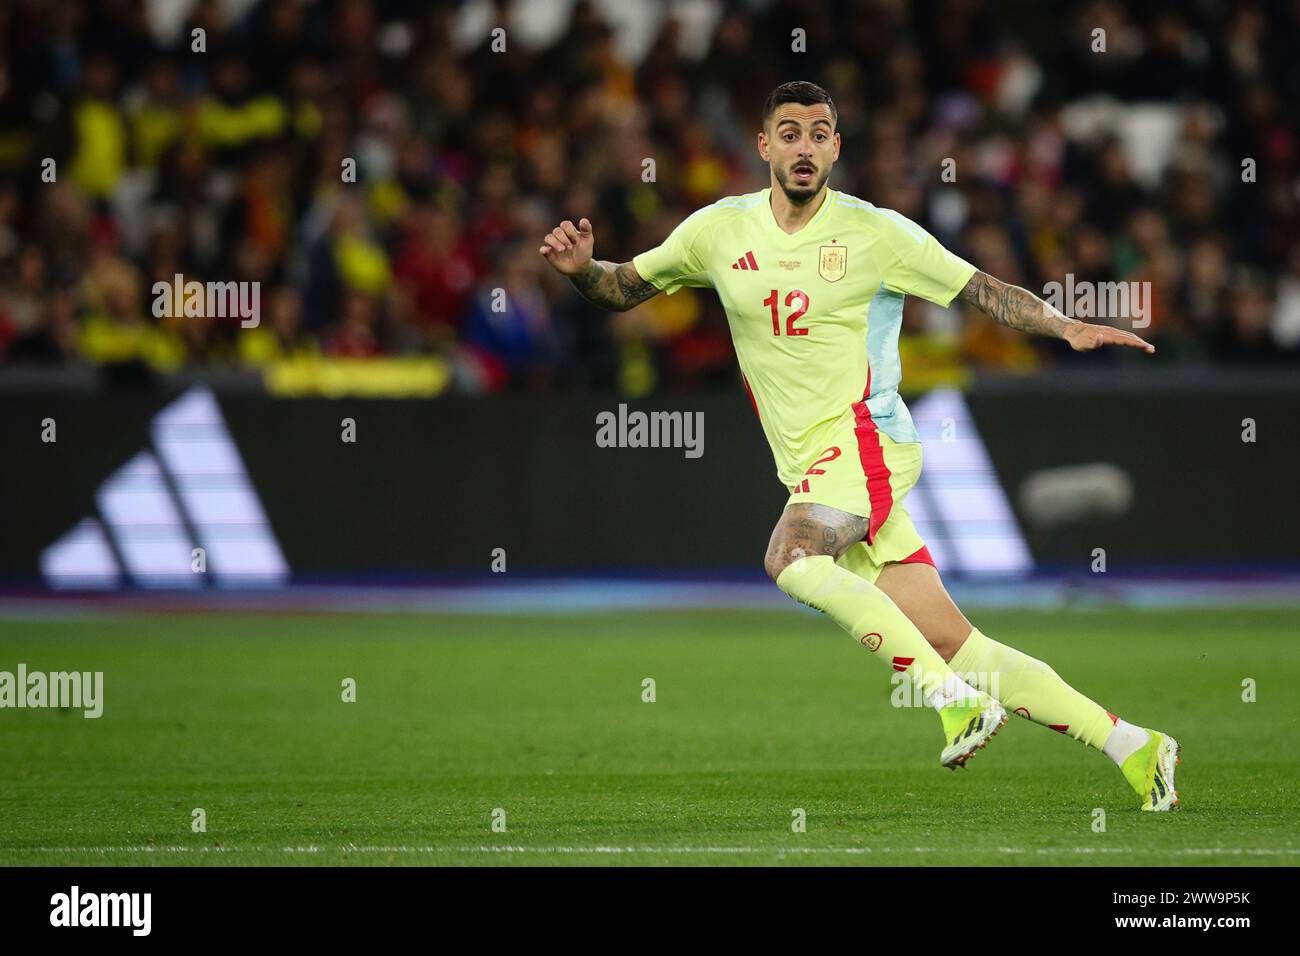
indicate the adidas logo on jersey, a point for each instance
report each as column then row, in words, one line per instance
column 746, row 262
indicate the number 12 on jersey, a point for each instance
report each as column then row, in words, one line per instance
column 798, row 295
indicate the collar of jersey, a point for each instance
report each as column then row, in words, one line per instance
column 773, row 226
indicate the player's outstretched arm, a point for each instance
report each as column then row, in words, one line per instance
column 609, row 285
column 1020, row 309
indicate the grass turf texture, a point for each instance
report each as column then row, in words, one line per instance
column 756, row 714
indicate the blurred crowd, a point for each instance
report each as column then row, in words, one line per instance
column 216, row 140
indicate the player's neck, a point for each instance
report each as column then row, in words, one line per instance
column 792, row 216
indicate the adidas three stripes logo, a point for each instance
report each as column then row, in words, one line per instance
column 976, row 724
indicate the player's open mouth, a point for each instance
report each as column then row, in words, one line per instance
column 803, row 173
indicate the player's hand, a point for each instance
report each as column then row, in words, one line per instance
column 1084, row 338
column 569, row 247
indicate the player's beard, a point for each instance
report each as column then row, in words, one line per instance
column 796, row 193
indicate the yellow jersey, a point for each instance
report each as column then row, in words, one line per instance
column 814, row 315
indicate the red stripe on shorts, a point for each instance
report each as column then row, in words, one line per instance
column 920, row 557
column 872, row 456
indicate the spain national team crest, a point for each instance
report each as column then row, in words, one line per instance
column 833, row 263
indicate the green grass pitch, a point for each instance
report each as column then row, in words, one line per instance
column 756, row 714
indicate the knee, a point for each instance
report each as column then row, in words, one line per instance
column 779, row 557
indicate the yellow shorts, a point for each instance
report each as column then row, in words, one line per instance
column 865, row 472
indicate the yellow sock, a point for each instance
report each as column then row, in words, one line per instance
column 876, row 622
column 1028, row 687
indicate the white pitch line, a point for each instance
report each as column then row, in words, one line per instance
column 620, row 850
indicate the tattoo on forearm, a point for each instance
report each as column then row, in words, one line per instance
column 612, row 286
column 1014, row 307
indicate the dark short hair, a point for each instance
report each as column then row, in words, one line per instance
column 797, row 91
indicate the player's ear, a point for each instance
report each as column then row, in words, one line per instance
column 762, row 145
column 837, row 146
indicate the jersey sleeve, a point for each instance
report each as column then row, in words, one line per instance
column 920, row 265
column 681, row 259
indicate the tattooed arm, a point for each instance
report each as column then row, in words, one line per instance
column 1020, row 309
column 613, row 286
column 617, row 287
